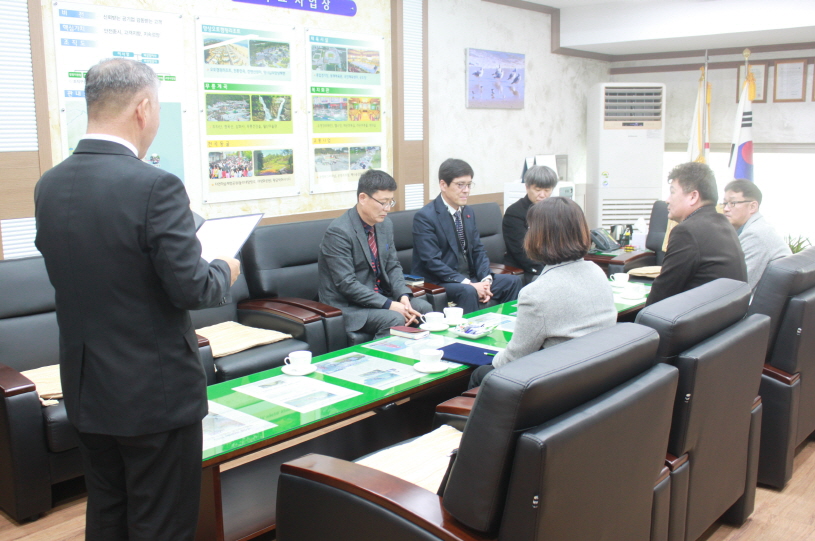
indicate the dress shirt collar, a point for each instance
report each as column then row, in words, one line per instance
column 113, row 139
column 450, row 209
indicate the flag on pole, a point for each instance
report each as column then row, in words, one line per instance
column 699, row 142
column 741, row 151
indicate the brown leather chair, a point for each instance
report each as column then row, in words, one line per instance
column 566, row 443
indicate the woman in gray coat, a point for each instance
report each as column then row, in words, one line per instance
column 570, row 298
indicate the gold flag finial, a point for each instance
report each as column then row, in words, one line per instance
column 746, row 53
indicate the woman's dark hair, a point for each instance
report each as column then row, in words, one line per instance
column 557, row 232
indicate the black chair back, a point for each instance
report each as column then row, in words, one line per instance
column 657, row 226
column 488, row 218
column 403, row 237
column 533, row 391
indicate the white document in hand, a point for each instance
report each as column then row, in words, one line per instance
column 225, row 236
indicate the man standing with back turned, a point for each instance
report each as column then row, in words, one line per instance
column 119, row 244
column 704, row 246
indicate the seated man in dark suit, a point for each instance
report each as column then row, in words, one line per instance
column 704, row 246
column 539, row 181
column 359, row 270
column 447, row 248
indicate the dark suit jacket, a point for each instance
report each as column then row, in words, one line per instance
column 702, row 248
column 435, row 245
column 514, row 227
column 347, row 277
column 119, row 244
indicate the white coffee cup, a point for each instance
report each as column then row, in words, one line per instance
column 298, row 359
column 619, row 277
column 434, row 318
column 431, row 356
column 453, row 313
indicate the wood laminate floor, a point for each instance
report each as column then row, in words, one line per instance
column 779, row 516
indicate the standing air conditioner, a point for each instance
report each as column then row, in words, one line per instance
column 625, row 146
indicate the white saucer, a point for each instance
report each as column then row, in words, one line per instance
column 294, row 371
column 634, row 298
column 433, row 327
column 454, row 322
column 430, row 368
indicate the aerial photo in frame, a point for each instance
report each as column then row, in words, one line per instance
column 495, row 80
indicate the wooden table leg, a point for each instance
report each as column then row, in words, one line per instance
column 210, row 513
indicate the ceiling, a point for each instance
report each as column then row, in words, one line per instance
column 633, row 27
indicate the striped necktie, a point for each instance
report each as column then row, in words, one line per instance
column 460, row 230
column 374, row 254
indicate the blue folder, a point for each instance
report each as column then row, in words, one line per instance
column 467, row 354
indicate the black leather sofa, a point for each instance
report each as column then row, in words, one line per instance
column 547, row 453
column 786, row 293
column 713, row 449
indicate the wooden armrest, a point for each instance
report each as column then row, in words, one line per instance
column 779, row 375
column 288, row 311
column 322, row 310
column 626, row 257
column 673, row 462
column 663, row 474
column 418, row 291
column 500, row 268
column 460, row 405
column 471, row 392
column 410, row 502
column 13, row 383
column 756, row 402
column 202, row 342
column 433, row 289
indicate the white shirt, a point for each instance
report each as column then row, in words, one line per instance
column 113, row 139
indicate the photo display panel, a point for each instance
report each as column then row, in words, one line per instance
column 346, row 133
column 247, row 109
column 86, row 34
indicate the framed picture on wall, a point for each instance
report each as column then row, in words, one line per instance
column 495, row 80
column 759, row 71
column 790, row 81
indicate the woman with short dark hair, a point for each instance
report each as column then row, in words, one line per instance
column 571, row 297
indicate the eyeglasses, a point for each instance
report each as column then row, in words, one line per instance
column 732, row 204
column 461, row 186
column 389, row 204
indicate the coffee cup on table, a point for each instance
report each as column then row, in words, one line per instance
column 619, row 277
column 453, row 313
column 431, row 357
column 434, row 318
column 298, row 359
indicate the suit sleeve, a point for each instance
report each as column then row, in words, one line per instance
column 338, row 255
column 190, row 282
column 426, row 244
column 514, row 230
column 679, row 266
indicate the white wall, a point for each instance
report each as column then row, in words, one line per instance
column 496, row 141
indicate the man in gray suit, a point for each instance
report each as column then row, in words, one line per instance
column 359, row 270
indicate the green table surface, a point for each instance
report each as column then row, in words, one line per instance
column 288, row 420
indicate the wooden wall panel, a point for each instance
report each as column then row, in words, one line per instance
column 21, row 171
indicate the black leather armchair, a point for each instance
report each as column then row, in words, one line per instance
column 263, row 315
column 657, row 227
column 786, row 293
column 488, row 217
column 280, row 265
column 566, row 443
column 403, row 239
column 717, row 418
column 38, row 447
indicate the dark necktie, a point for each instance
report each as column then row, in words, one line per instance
column 374, row 254
column 460, row 230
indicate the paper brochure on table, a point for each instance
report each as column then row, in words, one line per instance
column 223, row 425
column 225, row 236
column 297, row 393
column 407, row 347
column 369, row 371
column 502, row 322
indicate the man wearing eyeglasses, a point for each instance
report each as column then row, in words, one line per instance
column 447, row 248
column 358, row 267
column 760, row 242
column 704, row 246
